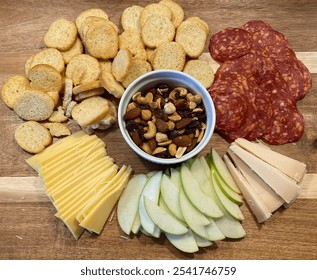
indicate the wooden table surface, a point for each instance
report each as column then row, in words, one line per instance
column 28, row 228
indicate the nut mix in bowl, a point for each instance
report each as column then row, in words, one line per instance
column 166, row 116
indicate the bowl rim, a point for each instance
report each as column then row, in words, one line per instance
column 210, row 111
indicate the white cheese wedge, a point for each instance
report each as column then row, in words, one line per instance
column 257, row 206
column 278, row 181
column 289, row 166
column 272, row 200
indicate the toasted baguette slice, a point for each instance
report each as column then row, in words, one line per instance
column 121, row 64
column 200, row 70
column 90, row 110
column 13, row 89
column 45, row 77
column 32, row 137
column 61, row 34
column 111, row 85
column 34, row 105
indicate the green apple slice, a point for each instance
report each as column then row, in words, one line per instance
column 151, row 190
column 185, row 242
column 170, row 194
column 199, row 199
column 194, row 219
column 202, row 242
column 136, row 224
column 223, row 171
column 203, row 177
column 229, row 226
column 163, row 219
column 129, row 202
column 229, row 205
column 232, row 195
column 175, row 177
column 213, row 231
column 163, row 206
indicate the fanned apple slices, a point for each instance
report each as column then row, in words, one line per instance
column 267, row 179
column 192, row 205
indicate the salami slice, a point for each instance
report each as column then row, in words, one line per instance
column 288, row 123
column 230, row 43
column 253, row 26
column 263, row 113
column 271, row 42
column 230, row 105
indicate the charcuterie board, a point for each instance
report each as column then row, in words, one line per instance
column 28, row 227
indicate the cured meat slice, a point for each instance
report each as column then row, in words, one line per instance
column 263, row 114
column 230, row 43
column 255, row 26
column 288, row 123
column 270, row 42
column 230, row 105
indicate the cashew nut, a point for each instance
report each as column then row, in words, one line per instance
column 151, row 130
column 193, row 97
column 137, row 97
column 180, row 90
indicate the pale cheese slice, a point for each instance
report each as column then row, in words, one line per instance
column 97, row 216
column 118, row 181
column 272, row 200
column 289, row 166
column 252, row 198
column 278, row 181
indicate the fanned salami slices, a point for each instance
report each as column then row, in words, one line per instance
column 258, row 84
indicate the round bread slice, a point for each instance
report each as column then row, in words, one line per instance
column 90, row 110
column 157, row 30
column 131, row 39
column 201, row 71
column 177, row 10
column 121, row 64
column 95, row 12
column 169, row 56
column 155, row 9
column 101, row 40
column 61, row 34
column 192, row 36
column 50, row 56
column 32, row 137
column 76, row 48
column 82, row 69
column 130, row 18
column 45, row 77
column 34, row 105
column 137, row 69
column 13, row 89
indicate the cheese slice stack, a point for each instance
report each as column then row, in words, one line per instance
column 81, row 180
column 267, row 179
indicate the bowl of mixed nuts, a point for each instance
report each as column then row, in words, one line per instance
column 166, row 116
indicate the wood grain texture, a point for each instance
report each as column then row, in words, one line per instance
column 28, row 227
